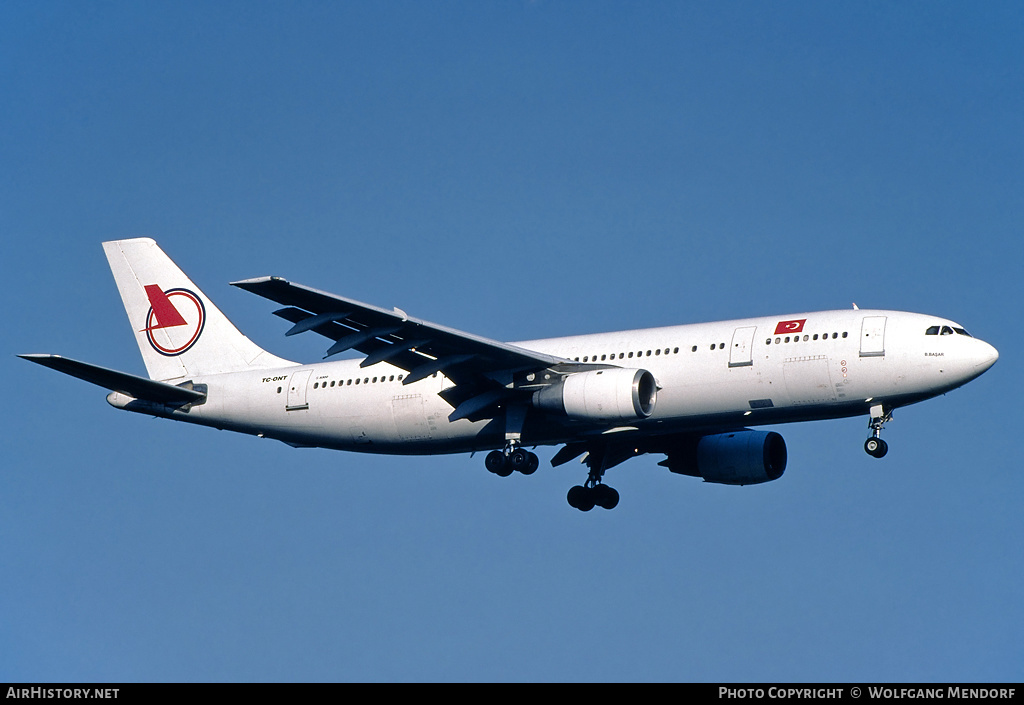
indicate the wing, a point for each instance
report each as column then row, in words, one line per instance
column 483, row 370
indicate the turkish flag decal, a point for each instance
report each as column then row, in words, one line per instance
column 790, row 326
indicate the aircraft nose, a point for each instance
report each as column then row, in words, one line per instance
column 986, row 356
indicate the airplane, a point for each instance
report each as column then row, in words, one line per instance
column 689, row 392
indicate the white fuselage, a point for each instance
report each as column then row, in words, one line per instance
column 722, row 375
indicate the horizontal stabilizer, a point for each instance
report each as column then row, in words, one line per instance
column 132, row 385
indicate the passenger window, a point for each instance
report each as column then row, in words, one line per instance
column 693, row 349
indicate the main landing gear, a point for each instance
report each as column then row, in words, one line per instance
column 513, row 459
column 875, row 446
column 593, row 492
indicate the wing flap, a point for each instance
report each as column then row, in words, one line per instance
column 319, row 319
column 359, row 338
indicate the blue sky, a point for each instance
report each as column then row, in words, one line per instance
column 517, row 170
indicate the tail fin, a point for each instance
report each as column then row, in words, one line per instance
column 180, row 332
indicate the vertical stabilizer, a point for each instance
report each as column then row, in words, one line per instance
column 180, row 332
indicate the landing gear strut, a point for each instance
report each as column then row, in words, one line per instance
column 513, row 459
column 875, row 446
column 593, row 492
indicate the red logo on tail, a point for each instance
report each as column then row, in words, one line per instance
column 166, row 315
column 175, row 320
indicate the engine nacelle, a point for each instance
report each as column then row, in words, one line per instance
column 742, row 458
column 613, row 394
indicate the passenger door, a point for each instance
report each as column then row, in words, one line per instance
column 742, row 350
column 297, row 390
column 872, row 336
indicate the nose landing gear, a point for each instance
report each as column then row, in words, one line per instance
column 875, row 446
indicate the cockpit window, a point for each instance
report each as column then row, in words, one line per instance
column 947, row 330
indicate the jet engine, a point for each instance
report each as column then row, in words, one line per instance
column 740, row 458
column 613, row 394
